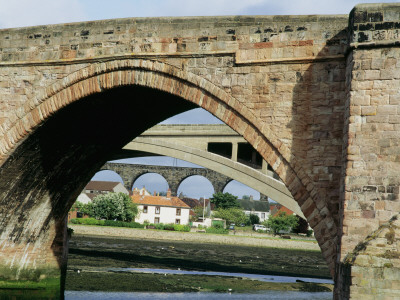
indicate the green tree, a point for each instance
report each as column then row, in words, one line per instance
column 224, row 200
column 81, row 207
column 280, row 222
column 231, row 215
column 302, row 226
column 254, row 219
column 113, row 206
column 198, row 211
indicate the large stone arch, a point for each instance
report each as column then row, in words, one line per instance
column 18, row 138
column 217, row 183
column 107, row 75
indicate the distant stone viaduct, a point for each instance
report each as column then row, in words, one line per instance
column 318, row 97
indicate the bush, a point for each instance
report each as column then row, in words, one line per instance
column 92, row 221
column 231, row 215
column 179, row 227
column 123, row 224
column 281, row 222
column 113, row 206
column 309, row 233
column 159, row 226
column 169, row 227
column 254, row 219
column 216, row 230
column 87, row 221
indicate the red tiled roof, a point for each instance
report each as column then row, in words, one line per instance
column 101, row 185
column 283, row 209
column 159, row 201
column 191, row 202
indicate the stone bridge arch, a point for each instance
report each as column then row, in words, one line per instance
column 24, row 134
column 217, row 180
column 173, row 175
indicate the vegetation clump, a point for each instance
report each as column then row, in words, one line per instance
column 281, row 222
column 171, row 227
column 110, row 206
column 92, row 221
column 225, row 200
column 217, row 228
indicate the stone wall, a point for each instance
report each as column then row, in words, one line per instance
column 277, row 80
column 372, row 177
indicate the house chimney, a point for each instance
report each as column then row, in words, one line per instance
column 135, row 191
column 251, row 197
column 169, row 193
column 155, row 193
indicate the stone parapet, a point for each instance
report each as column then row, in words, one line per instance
column 375, row 25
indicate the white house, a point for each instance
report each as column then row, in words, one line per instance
column 255, row 207
column 104, row 187
column 84, row 198
column 161, row 209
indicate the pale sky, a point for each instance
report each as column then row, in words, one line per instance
column 21, row 13
column 17, row 13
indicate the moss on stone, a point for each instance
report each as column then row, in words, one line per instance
column 390, row 236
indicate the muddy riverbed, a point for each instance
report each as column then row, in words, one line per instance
column 91, row 257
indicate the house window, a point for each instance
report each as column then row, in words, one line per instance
column 157, row 210
column 178, row 211
column 178, row 221
column 156, row 220
column 262, row 215
column 145, row 209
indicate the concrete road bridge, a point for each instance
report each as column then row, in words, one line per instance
column 316, row 96
column 236, row 159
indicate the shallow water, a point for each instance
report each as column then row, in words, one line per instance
column 278, row 295
column 266, row 278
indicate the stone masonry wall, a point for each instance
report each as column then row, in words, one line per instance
column 173, row 175
column 372, row 170
column 276, row 80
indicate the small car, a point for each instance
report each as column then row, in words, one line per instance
column 257, row 227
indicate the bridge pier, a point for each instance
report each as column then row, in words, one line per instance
column 369, row 265
column 35, row 269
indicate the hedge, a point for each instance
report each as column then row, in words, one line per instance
column 172, row 227
column 216, row 230
column 92, row 221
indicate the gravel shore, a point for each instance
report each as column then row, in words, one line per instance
column 262, row 241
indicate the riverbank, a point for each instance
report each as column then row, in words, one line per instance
column 91, row 256
column 257, row 239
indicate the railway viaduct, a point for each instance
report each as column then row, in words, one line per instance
column 317, row 97
column 173, row 175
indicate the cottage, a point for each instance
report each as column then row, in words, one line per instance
column 255, row 207
column 104, row 187
column 161, row 209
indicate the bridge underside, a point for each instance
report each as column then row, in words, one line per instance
column 266, row 184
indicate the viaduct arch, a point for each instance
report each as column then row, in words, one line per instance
column 173, row 175
column 317, row 98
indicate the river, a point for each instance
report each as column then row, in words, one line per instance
column 278, row 295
